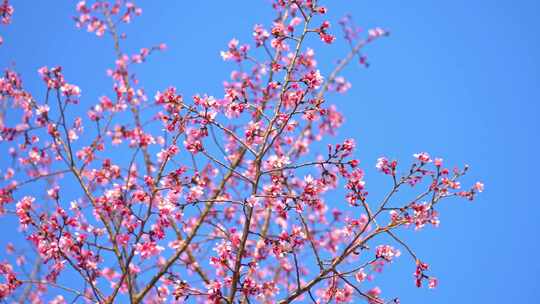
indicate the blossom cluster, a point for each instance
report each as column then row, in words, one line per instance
column 6, row 13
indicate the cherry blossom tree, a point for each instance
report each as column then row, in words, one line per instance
column 205, row 199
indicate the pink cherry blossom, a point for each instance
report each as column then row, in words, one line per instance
column 148, row 249
column 387, row 252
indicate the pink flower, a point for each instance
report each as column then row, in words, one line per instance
column 278, row 29
column 313, row 79
column 387, row 252
column 42, row 110
column 478, row 186
column 58, row 300
column 327, row 38
column 385, row 166
column 235, row 52
column 6, row 11
column 360, row 275
column 433, row 282
column 423, row 157
column 148, row 249
column 376, row 32
column 260, row 35
column 81, row 5
column 122, row 239
column 70, row 90
column 340, row 85
column 374, row 294
column 277, row 162
column 53, row 192
column 195, row 193
column 348, row 145
column 23, row 210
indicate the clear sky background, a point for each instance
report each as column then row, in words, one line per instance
column 459, row 79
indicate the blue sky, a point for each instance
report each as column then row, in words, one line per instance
column 459, row 79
